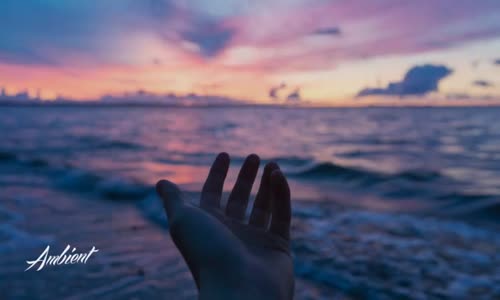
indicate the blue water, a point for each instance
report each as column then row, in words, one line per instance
column 394, row 181
column 396, row 159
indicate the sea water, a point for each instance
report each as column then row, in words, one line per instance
column 388, row 202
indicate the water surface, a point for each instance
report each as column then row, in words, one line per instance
column 388, row 202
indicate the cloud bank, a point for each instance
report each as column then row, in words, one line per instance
column 87, row 48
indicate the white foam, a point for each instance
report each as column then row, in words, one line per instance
column 373, row 254
column 12, row 238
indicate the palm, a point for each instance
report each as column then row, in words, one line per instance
column 217, row 244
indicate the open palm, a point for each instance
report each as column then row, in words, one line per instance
column 231, row 259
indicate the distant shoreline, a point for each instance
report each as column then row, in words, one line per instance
column 94, row 104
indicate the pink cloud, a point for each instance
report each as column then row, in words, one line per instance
column 366, row 29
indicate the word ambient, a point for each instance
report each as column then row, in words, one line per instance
column 65, row 258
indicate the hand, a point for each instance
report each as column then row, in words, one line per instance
column 230, row 259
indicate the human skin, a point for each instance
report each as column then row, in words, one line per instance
column 228, row 257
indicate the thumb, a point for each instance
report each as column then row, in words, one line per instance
column 171, row 196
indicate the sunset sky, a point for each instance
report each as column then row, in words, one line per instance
column 343, row 52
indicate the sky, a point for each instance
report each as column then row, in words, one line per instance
column 337, row 52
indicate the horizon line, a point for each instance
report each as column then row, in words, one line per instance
column 99, row 103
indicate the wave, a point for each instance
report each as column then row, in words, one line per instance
column 389, row 141
column 419, row 175
column 473, row 205
column 115, row 144
column 103, row 144
column 331, row 170
column 78, row 180
column 206, row 159
column 327, row 170
column 290, row 160
column 366, row 254
column 7, row 156
column 415, row 183
column 152, row 208
column 12, row 237
column 108, row 187
column 37, row 163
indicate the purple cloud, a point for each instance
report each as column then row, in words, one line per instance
column 51, row 32
column 294, row 96
column 273, row 92
column 328, row 31
column 483, row 83
column 210, row 37
column 418, row 81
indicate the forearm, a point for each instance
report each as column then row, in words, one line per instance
column 216, row 289
column 224, row 294
column 221, row 292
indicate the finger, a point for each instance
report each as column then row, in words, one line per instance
column 171, row 196
column 238, row 199
column 212, row 189
column 261, row 211
column 282, row 212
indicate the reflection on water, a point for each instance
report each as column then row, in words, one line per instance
column 349, row 169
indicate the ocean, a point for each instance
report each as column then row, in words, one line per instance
column 387, row 202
